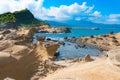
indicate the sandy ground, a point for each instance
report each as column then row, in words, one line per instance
column 99, row 69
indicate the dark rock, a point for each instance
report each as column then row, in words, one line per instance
column 65, row 38
column 104, row 35
column 54, row 32
column 91, row 36
column 87, row 58
column 111, row 33
column 83, row 46
column 40, row 38
column 6, row 32
column 62, row 43
column 48, row 39
column 57, row 54
column 43, row 31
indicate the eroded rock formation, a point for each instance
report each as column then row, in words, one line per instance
column 20, row 59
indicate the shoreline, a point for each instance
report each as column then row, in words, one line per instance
column 22, row 50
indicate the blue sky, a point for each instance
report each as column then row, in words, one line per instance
column 105, row 6
column 97, row 11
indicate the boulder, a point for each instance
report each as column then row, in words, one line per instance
column 114, row 57
column 87, row 58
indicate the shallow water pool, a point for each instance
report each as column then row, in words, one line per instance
column 73, row 50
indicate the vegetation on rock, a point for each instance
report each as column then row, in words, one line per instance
column 23, row 18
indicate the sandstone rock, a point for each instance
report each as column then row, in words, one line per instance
column 114, row 56
column 1, row 37
column 87, row 58
column 7, row 78
column 19, row 51
column 117, row 35
column 6, row 58
column 21, row 62
column 11, row 36
column 6, row 44
column 6, row 32
column 48, row 48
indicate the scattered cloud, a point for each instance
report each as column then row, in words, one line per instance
column 78, row 19
column 97, row 14
column 74, row 11
column 113, row 19
column 64, row 12
column 14, row 5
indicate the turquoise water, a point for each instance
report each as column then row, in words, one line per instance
column 79, row 33
column 69, row 50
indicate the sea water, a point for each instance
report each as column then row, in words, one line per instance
column 79, row 33
column 69, row 50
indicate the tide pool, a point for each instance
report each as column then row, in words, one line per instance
column 69, row 50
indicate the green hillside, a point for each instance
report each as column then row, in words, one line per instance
column 23, row 18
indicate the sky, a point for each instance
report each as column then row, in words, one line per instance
column 97, row 11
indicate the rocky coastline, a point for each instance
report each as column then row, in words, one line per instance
column 103, row 42
column 92, row 68
column 34, row 61
column 49, row 29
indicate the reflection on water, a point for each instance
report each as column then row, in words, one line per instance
column 72, row 50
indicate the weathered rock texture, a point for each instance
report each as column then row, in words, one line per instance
column 114, row 57
column 48, row 48
column 103, row 42
column 21, row 60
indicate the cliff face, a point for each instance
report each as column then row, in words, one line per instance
column 19, row 18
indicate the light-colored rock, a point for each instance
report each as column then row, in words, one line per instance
column 18, row 51
column 6, row 58
column 20, row 60
column 6, row 44
column 114, row 57
column 48, row 48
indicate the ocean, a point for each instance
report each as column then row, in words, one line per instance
column 79, row 33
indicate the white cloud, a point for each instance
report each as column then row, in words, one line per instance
column 108, row 19
column 14, row 5
column 113, row 19
column 97, row 14
column 74, row 11
column 113, row 16
column 64, row 12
